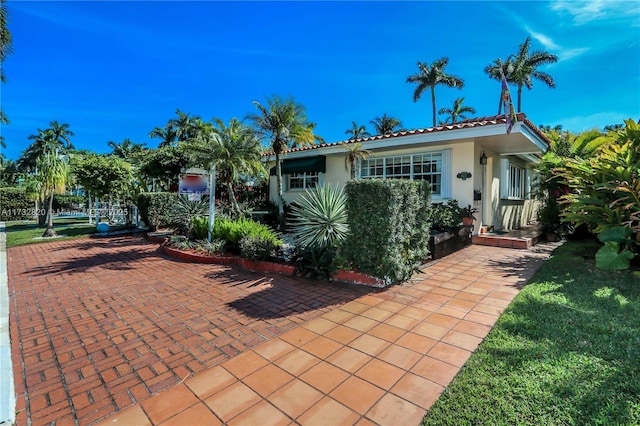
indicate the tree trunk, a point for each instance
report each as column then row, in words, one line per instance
column 353, row 169
column 50, row 232
column 232, row 198
column 433, row 103
column 41, row 209
column 520, row 98
column 279, row 184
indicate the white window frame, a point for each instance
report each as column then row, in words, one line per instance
column 515, row 181
column 309, row 180
column 404, row 166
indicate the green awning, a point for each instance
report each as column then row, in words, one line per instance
column 302, row 165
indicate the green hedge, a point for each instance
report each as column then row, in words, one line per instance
column 155, row 208
column 14, row 205
column 68, row 202
column 389, row 236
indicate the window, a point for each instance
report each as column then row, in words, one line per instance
column 515, row 181
column 432, row 167
column 306, row 180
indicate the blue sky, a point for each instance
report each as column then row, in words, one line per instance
column 116, row 70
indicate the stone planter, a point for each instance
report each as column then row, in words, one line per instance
column 445, row 243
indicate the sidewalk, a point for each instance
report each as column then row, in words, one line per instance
column 383, row 358
column 7, row 390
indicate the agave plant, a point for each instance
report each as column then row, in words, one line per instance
column 185, row 210
column 320, row 218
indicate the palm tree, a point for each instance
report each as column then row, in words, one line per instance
column 430, row 77
column 456, row 111
column 55, row 139
column 493, row 70
column 53, row 171
column 5, row 37
column 166, row 134
column 234, row 149
column 525, row 66
column 284, row 124
column 385, row 125
column 357, row 132
column 126, row 149
column 354, row 153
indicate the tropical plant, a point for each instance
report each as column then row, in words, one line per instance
column 319, row 219
column 444, row 216
column 5, row 37
column 283, row 124
column 235, row 151
column 162, row 166
column 525, row 68
column 210, row 247
column 357, row 131
column 181, row 128
column 234, row 230
column 127, row 149
column 52, row 174
column 429, row 76
column 605, row 196
column 496, row 70
column 316, row 262
column 386, row 125
column 456, row 111
column 258, row 248
column 184, row 211
column 55, row 139
column 200, row 227
column 354, row 153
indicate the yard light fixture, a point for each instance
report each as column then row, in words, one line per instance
column 483, row 159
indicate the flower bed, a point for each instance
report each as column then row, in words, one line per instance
column 351, row 277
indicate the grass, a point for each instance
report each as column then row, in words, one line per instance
column 21, row 232
column 565, row 352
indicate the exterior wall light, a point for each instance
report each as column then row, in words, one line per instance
column 483, row 159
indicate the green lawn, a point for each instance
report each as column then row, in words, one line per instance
column 21, row 232
column 565, row 352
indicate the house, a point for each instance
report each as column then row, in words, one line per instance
column 475, row 162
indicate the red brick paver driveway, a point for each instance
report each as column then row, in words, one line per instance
column 100, row 324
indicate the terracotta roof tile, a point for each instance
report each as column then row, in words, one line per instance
column 467, row 124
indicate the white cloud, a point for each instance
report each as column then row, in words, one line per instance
column 562, row 53
column 543, row 39
column 598, row 10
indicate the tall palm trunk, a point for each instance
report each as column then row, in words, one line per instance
column 433, row 104
column 520, row 98
column 232, row 197
column 50, row 232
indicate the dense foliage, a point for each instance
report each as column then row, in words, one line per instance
column 233, row 231
column 155, row 208
column 15, row 205
column 389, row 228
column 605, row 196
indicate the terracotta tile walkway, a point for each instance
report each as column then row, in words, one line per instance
column 98, row 325
column 383, row 358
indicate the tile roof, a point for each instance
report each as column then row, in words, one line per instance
column 467, row 124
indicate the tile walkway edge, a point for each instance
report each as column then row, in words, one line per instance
column 7, row 389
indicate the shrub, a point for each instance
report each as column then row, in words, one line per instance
column 605, row 196
column 14, row 205
column 210, row 247
column 232, row 231
column 200, row 227
column 445, row 216
column 316, row 262
column 68, row 202
column 319, row 218
column 155, row 208
column 389, row 228
column 258, row 248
